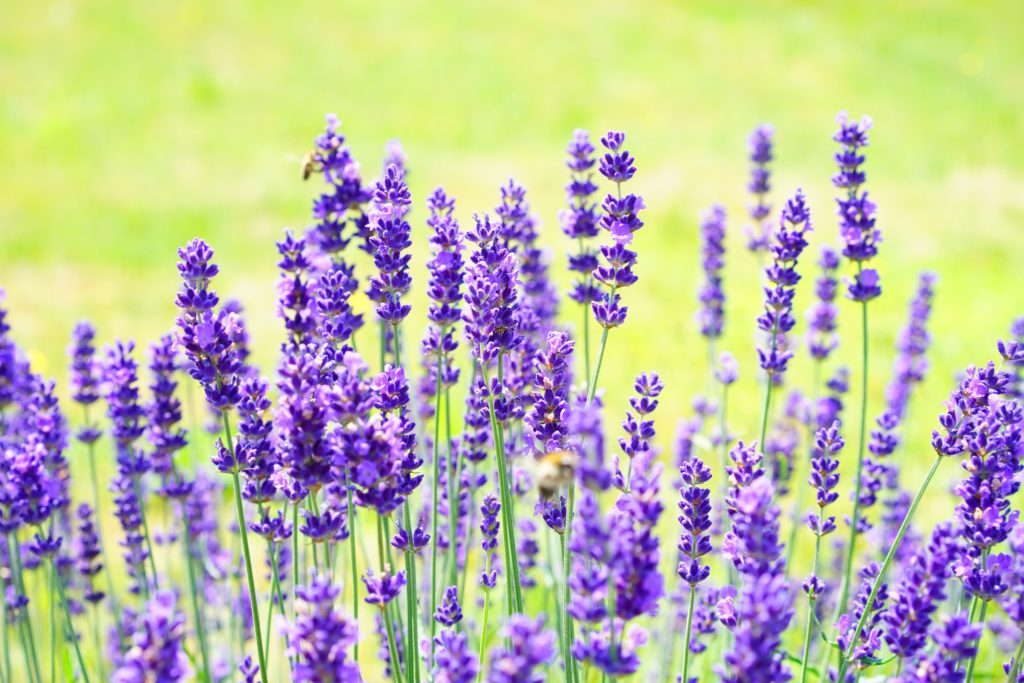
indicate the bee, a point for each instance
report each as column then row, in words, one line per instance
column 555, row 470
column 308, row 165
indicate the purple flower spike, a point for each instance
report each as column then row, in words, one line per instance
column 449, row 612
column 911, row 365
column 489, row 526
column 338, row 211
column 763, row 610
column 390, row 241
column 760, row 145
column 156, row 636
column 579, row 221
column 84, row 375
column 728, row 370
column 164, row 412
column 453, row 660
column 920, row 593
column 620, row 218
column 321, row 635
column 383, row 588
column 956, row 639
column 695, row 505
column 822, row 339
column 492, row 279
column 856, row 212
column 87, row 556
column 712, row 296
column 825, row 477
column 213, row 358
column 777, row 320
column 531, row 647
column 547, row 426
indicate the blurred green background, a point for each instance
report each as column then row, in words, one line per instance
column 128, row 128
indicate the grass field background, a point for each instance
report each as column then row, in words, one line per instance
column 128, row 128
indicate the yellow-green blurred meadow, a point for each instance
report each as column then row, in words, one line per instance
column 128, row 128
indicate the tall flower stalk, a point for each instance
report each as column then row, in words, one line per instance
column 860, row 237
column 214, row 363
column 788, row 242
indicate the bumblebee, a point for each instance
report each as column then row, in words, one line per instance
column 308, row 165
column 555, row 470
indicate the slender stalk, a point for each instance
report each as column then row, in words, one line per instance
column 570, row 663
column 844, row 593
column 26, row 621
column 53, row 623
column 483, row 629
column 354, row 564
column 396, row 669
column 686, row 636
column 70, row 625
column 974, row 658
column 98, row 635
column 434, row 495
column 810, row 601
column 244, row 534
column 844, row 663
column 412, row 604
column 515, row 595
column 145, row 530
column 6, row 640
column 455, row 464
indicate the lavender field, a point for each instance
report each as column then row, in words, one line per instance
column 529, row 391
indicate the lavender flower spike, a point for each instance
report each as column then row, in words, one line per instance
column 620, row 218
column 712, row 296
column 777, row 320
column 157, row 636
column 531, row 646
column 822, row 339
column 760, row 144
column 320, row 637
column 856, row 211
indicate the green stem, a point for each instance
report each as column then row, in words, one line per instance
column 67, row 614
column 26, row 621
column 686, row 636
column 851, row 546
column 569, row 661
column 53, row 623
column 396, row 669
column 412, row 664
column 810, row 601
column 243, row 532
column 354, row 564
column 455, row 463
column 149, row 540
column 483, row 629
column 844, row 664
column 974, row 658
column 6, row 641
column 434, row 495
column 98, row 635
column 514, row 592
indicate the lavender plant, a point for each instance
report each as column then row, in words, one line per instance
column 455, row 517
